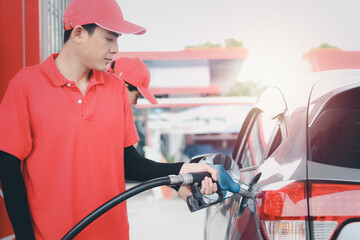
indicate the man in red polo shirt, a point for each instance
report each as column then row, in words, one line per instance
column 68, row 125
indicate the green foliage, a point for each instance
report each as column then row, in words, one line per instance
column 170, row 158
column 204, row 45
column 232, row 42
column 229, row 43
column 326, row 45
column 248, row 88
column 323, row 46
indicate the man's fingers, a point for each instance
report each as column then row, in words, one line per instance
column 208, row 187
column 199, row 167
column 212, row 171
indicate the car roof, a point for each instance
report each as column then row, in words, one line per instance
column 301, row 89
column 329, row 81
column 329, row 84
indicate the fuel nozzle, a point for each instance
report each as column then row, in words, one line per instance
column 228, row 171
column 196, row 201
column 228, row 176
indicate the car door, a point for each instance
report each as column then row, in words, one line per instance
column 235, row 217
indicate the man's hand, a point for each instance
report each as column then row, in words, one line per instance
column 184, row 192
column 208, row 187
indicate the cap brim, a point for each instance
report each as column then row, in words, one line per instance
column 124, row 27
column 148, row 95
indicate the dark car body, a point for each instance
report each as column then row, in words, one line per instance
column 300, row 156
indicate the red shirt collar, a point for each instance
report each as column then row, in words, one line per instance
column 52, row 72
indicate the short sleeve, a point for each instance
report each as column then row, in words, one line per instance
column 130, row 135
column 15, row 123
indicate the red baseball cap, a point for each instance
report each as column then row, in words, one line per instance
column 135, row 72
column 104, row 13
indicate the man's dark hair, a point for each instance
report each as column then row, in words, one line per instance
column 88, row 27
column 131, row 87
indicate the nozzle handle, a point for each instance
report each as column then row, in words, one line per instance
column 198, row 177
column 196, row 201
column 192, row 178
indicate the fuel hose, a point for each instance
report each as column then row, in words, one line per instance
column 187, row 179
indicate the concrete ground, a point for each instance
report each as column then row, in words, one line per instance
column 152, row 217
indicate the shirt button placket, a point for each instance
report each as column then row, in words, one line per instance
column 81, row 103
column 77, row 96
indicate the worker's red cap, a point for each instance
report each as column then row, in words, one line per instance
column 104, row 13
column 135, row 72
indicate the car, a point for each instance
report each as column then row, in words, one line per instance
column 299, row 156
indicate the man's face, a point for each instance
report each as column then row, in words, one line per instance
column 133, row 96
column 97, row 50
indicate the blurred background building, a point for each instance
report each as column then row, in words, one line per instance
column 194, row 113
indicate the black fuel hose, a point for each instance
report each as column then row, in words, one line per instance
column 113, row 202
column 184, row 179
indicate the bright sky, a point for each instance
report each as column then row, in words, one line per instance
column 276, row 32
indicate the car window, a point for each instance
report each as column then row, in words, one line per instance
column 334, row 136
column 257, row 140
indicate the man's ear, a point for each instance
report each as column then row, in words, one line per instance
column 78, row 33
